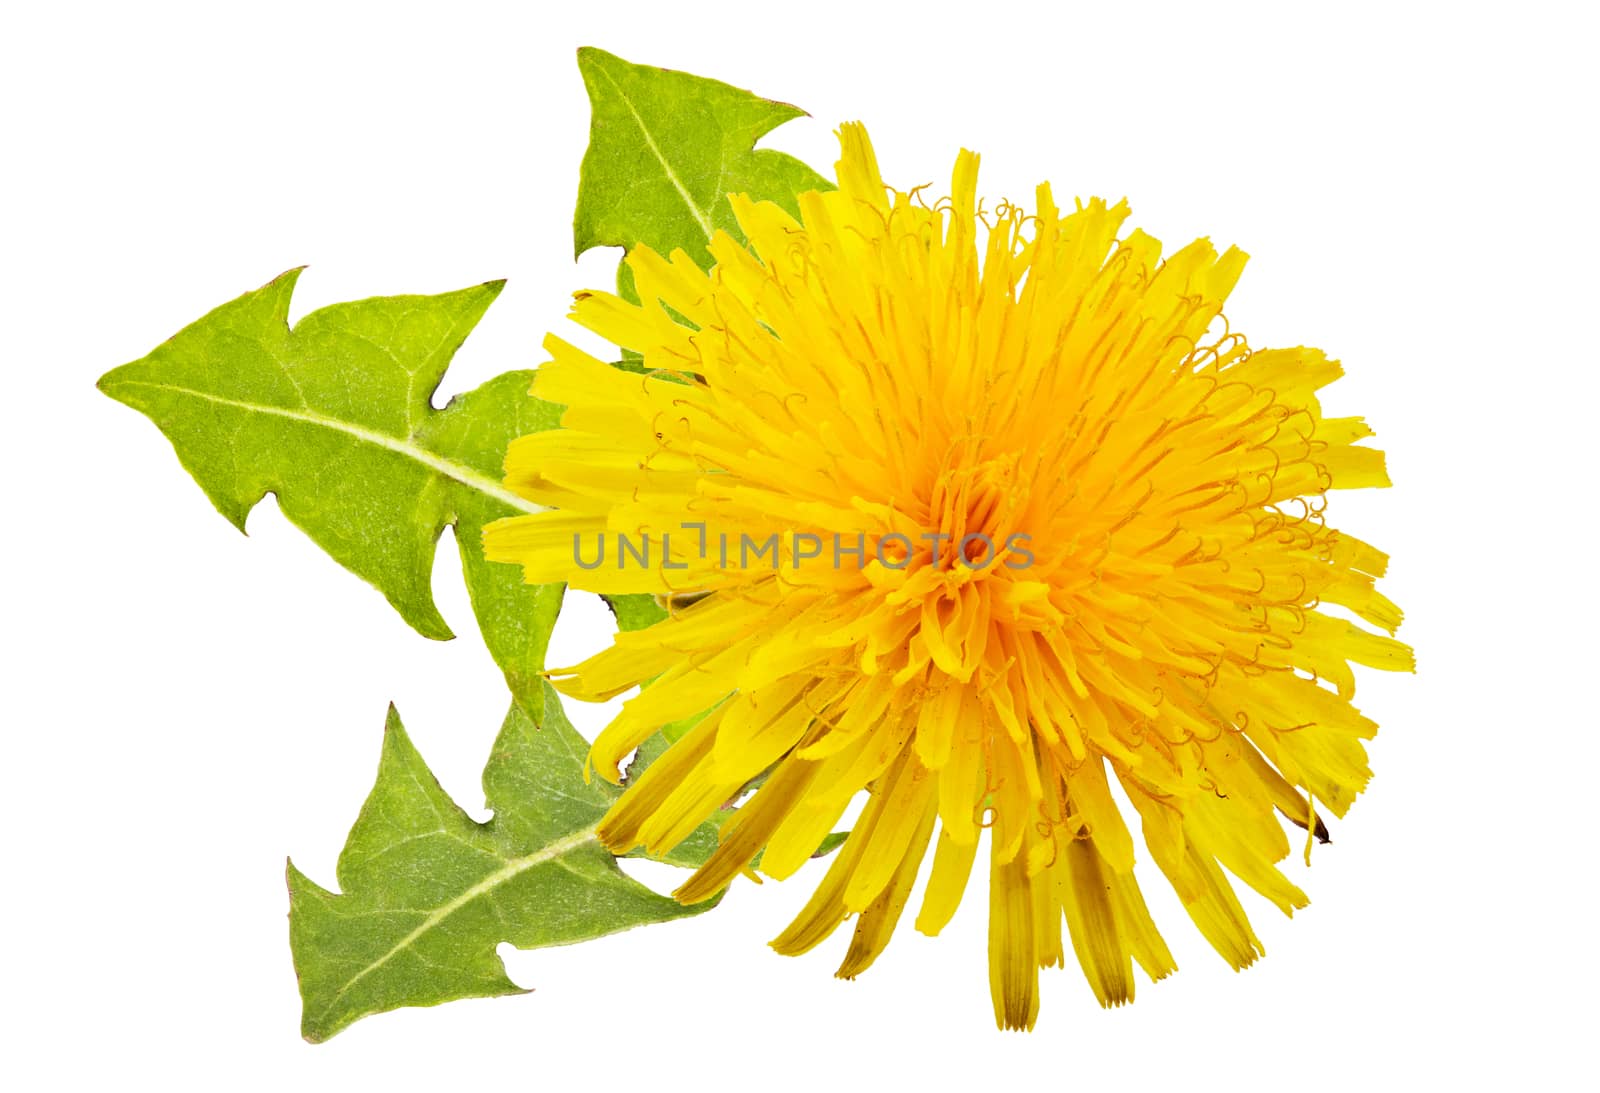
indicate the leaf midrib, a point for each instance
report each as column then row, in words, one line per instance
column 467, row 476
column 510, row 870
column 700, row 216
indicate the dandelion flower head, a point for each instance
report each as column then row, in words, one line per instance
column 983, row 514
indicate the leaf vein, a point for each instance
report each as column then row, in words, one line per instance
column 672, row 176
column 472, row 479
column 513, row 868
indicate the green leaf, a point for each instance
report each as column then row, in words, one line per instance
column 428, row 893
column 665, row 150
column 333, row 417
column 635, row 610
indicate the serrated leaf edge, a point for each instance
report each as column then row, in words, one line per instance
column 510, row 870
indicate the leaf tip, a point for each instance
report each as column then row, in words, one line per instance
column 282, row 288
column 110, row 384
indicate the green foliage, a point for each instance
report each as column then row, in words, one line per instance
column 665, row 150
column 333, row 417
column 636, row 610
column 428, row 893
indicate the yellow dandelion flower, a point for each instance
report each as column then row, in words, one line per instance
column 977, row 512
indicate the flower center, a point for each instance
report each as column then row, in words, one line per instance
column 973, row 505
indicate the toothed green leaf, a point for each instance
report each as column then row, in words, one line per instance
column 665, row 150
column 333, row 417
column 427, row 892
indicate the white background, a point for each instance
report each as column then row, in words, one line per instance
column 184, row 706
